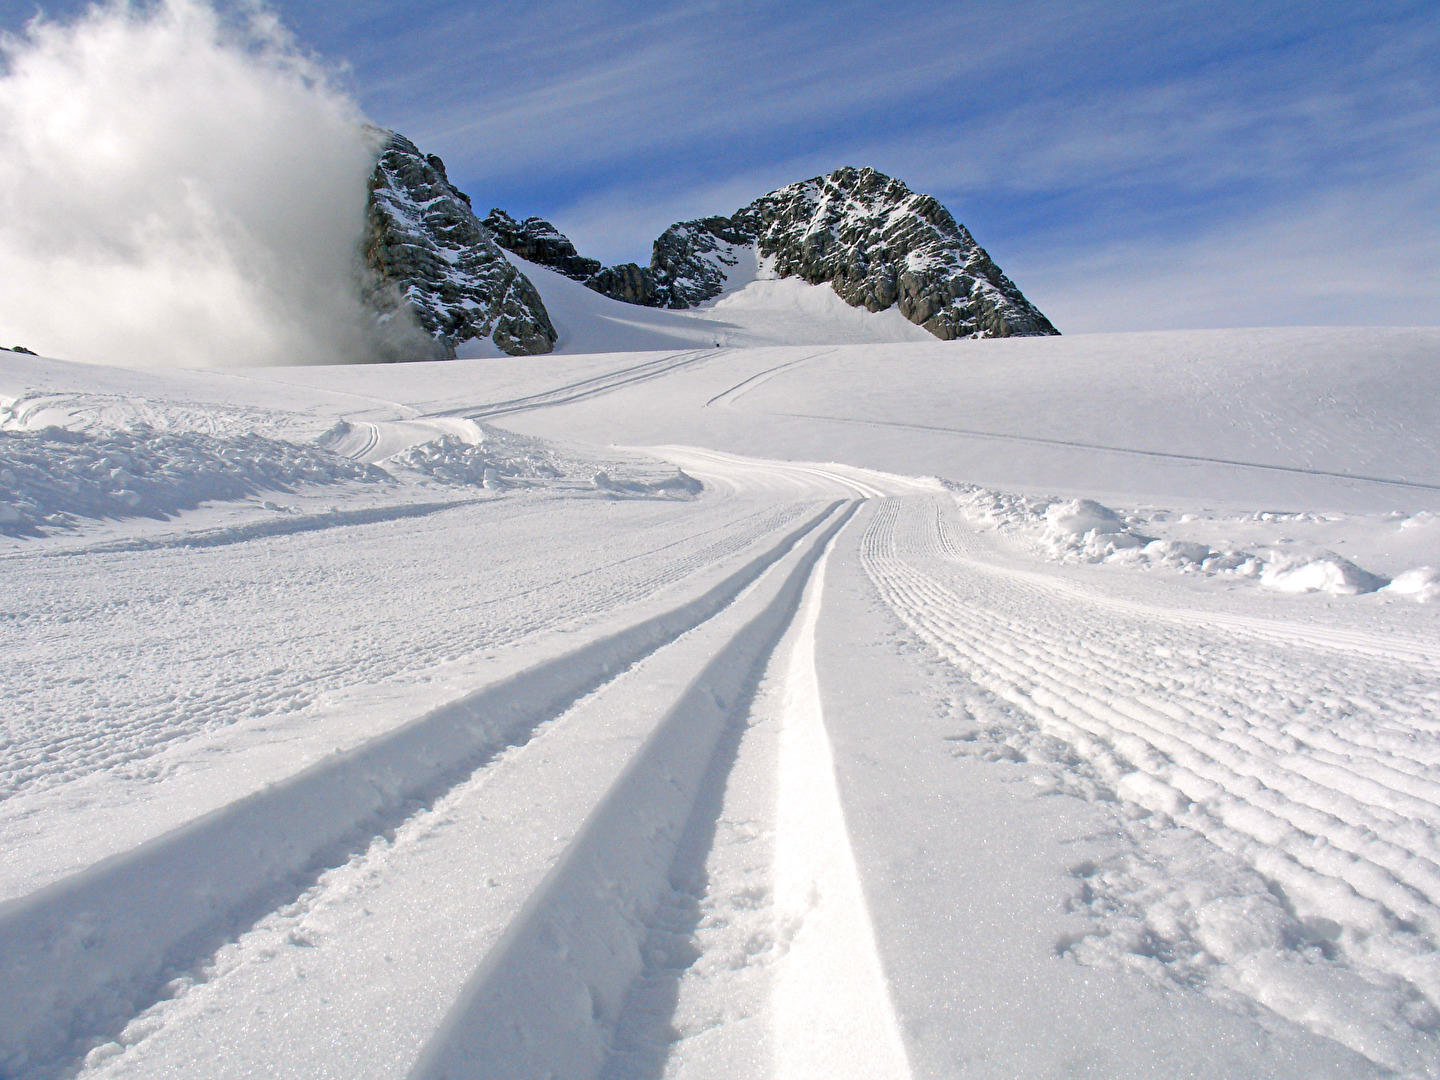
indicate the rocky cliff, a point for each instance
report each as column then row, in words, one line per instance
column 536, row 240
column 435, row 265
column 873, row 240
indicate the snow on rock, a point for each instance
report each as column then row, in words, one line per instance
column 536, row 240
column 435, row 263
column 52, row 477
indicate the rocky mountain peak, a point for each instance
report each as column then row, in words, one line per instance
column 433, row 262
column 536, row 240
column 876, row 242
column 868, row 236
column 880, row 244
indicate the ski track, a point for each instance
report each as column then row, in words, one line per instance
column 596, row 385
column 81, row 951
column 606, row 885
column 237, row 644
column 1317, row 773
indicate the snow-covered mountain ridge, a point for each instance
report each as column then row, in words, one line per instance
column 867, row 235
column 875, row 242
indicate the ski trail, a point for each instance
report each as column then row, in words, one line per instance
column 84, row 955
column 549, row 996
column 833, row 1018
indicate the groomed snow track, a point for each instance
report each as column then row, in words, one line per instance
column 89, row 962
column 1305, row 753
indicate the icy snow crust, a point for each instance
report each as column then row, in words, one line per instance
column 1065, row 706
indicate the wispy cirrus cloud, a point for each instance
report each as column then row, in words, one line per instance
column 1067, row 135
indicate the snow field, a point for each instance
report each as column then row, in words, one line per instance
column 1040, row 814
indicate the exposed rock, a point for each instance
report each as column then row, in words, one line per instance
column 631, row 283
column 536, row 240
column 878, row 244
column 867, row 235
column 22, row 349
column 433, row 262
column 692, row 259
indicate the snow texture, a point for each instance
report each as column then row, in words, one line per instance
column 1053, row 706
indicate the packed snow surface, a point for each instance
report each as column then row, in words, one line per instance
column 1057, row 707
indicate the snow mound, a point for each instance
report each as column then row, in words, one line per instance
column 452, row 460
column 1085, row 531
column 678, row 485
column 1327, row 572
column 1081, row 516
column 1421, row 584
column 501, row 460
column 51, row 477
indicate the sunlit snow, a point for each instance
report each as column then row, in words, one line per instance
column 835, row 706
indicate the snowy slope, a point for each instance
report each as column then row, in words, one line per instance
column 753, row 312
column 1058, row 706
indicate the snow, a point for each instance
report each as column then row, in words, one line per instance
column 1065, row 706
column 753, row 311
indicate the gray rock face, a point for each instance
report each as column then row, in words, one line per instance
column 692, row 259
column 874, row 241
column 878, row 243
column 536, row 240
column 432, row 261
column 629, row 282
column 867, row 235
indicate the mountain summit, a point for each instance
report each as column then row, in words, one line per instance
column 868, row 236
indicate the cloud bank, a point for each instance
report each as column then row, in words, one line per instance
column 178, row 186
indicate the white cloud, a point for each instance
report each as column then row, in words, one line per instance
column 177, row 189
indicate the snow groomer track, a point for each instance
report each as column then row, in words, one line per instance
column 550, row 812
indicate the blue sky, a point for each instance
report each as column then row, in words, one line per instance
column 1130, row 165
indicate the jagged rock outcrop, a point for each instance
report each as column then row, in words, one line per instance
column 433, row 262
column 878, row 243
column 536, row 240
column 867, row 235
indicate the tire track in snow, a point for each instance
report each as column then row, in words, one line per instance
column 1256, row 744
column 82, row 957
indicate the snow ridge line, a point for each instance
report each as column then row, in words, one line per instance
column 80, row 957
column 565, row 965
